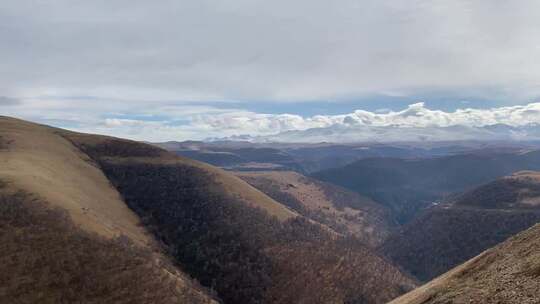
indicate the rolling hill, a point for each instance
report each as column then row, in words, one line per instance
column 233, row 238
column 344, row 211
column 508, row 273
column 407, row 186
column 149, row 211
column 67, row 236
column 447, row 235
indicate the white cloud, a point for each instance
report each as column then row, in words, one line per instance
column 161, row 121
column 415, row 115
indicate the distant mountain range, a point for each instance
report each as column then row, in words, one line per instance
column 407, row 186
column 342, row 133
column 312, row 157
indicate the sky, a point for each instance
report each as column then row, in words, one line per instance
column 178, row 70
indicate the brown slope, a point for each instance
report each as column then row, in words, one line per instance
column 344, row 211
column 39, row 161
column 66, row 232
column 235, row 239
column 508, row 273
column 114, row 149
column 449, row 234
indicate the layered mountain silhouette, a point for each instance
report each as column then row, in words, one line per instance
column 407, row 186
column 128, row 222
column 355, row 133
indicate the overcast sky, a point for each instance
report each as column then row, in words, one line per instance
column 170, row 70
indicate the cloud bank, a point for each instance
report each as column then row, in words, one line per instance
column 170, row 70
column 414, row 116
column 172, row 121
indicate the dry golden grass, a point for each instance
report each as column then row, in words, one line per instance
column 367, row 222
column 230, row 183
column 246, row 192
column 309, row 194
column 39, row 160
column 44, row 163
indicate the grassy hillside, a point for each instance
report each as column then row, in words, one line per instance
column 236, row 240
column 344, row 211
column 448, row 235
column 38, row 160
column 408, row 186
column 104, row 149
column 508, row 273
column 67, row 237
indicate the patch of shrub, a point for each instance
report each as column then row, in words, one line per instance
column 45, row 258
column 4, row 143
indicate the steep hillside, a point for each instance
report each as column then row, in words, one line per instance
column 447, row 235
column 38, row 160
column 344, row 211
column 236, row 240
column 105, row 149
column 65, row 233
column 520, row 190
column 508, row 273
column 408, row 186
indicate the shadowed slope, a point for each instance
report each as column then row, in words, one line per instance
column 111, row 149
column 407, row 186
column 447, row 235
column 508, row 273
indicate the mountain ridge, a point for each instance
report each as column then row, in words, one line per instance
column 202, row 222
column 67, row 208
